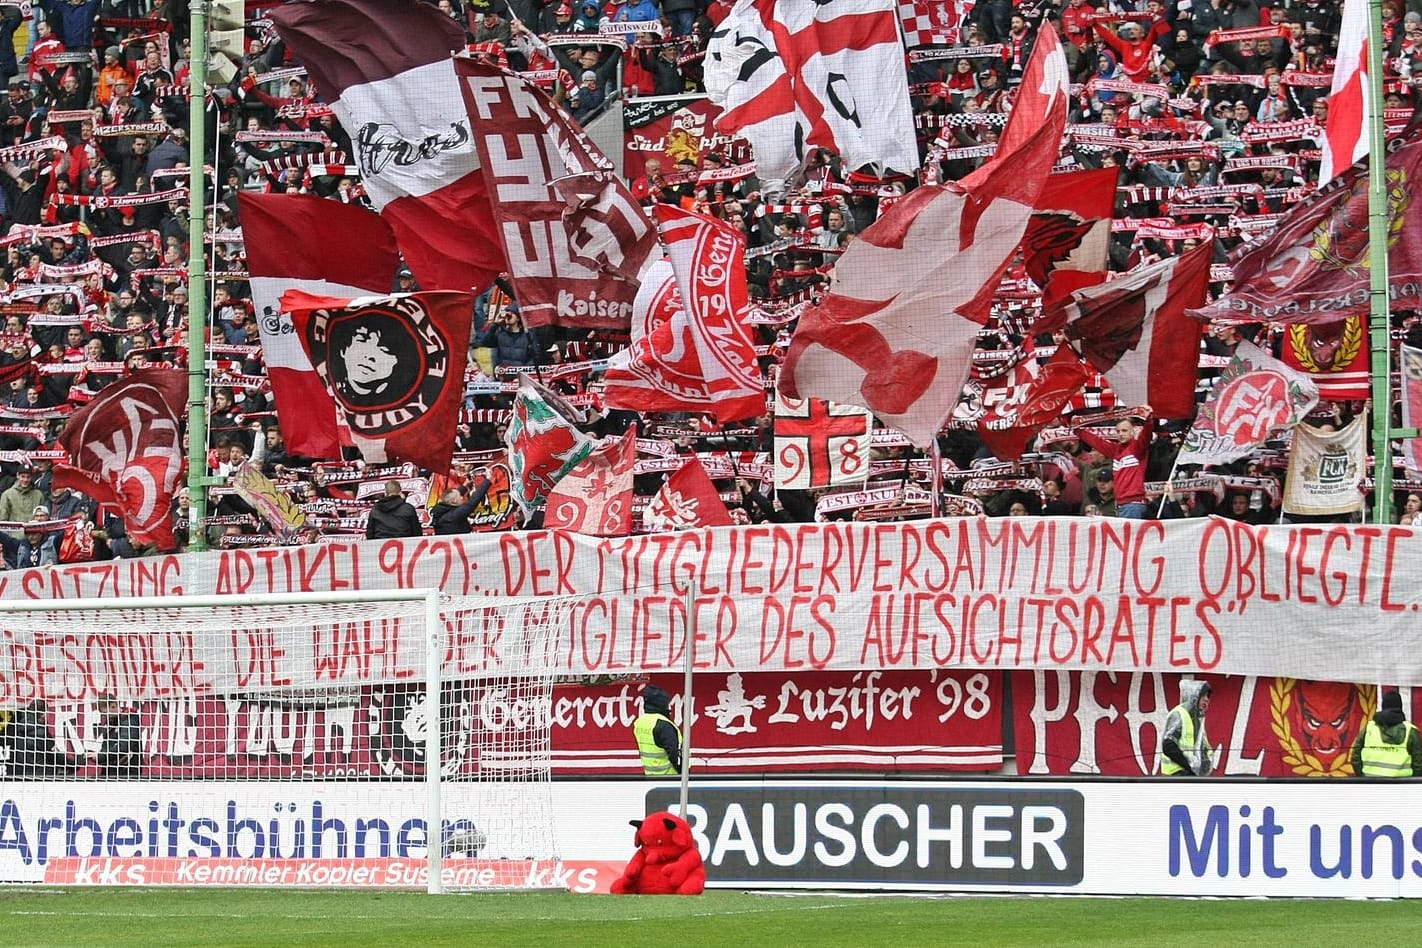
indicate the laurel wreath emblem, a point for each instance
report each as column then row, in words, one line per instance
column 1348, row 348
column 1281, row 698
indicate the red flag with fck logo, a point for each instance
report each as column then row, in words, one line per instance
column 126, row 450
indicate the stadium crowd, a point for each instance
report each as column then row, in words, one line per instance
column 96, row 236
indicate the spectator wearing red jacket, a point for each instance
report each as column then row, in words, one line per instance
column 1128, row 453
column 1134, row 47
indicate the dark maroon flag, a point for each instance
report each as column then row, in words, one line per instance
column 126, row 450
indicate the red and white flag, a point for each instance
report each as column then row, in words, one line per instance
column 394, row 366
column 687, row 501
column 299, row 242
column 1135, row 330
column 692, row 347
column 126, row 450
column 544, row 443
column 792, row 76
column 1336, row 356
column 898, row 327
column 1069, row 234
column 1255, row 396
column 1411, row 365
column 1036, row 400
column 1345, row 134
column 932, row 22
column 574, row 236
column 595, row 497
column 820, row 444
column 385, row 68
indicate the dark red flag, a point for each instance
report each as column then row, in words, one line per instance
column 126, row 450
column 1009, row 424
column 1069, row 233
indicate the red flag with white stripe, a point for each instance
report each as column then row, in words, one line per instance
column 385, row 68
column 1069, row 235
column 897, row 329
column 299, row 242
column 595, row 497
column 1345, row 134
column 1135, row 331
column 687, row 501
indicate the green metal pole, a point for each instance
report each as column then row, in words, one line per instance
column 1379, row 320
column 197, row 276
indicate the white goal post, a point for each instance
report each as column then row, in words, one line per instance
column 172, row 727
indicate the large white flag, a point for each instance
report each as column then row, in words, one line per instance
column 794, row 75
column 1345, row 135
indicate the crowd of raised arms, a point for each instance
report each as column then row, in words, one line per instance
column 96, row 242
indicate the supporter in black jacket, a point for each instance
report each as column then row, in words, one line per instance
column 450, row 517
column 392, row 516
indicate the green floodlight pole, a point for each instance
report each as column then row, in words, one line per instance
column 1379, row 318
column 197, row 275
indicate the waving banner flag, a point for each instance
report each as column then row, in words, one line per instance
column 1345, row 134
column 692, row 347
column 574, row 236
column 793, row 76
column 126, row 450
column 385, row 68
column 1065, row 246
column 595, row 497
column 1313, row 267
column 820, row 444
column 394, row 366
column 1326, row 469
column 1256, row 396
column 687, row 501
column 299, row 242
column 1135, row 330
column 1033, row 403
column 544, row 446
column 896, row 331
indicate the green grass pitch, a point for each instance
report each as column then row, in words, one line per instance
column 158, row 917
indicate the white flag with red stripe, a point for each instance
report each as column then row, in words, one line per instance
column 326, row 248
column 792, row 76
column 1135, row 331
column 385, row 68
column 897, row 330
column 820, row 444
column 1345, row 134
column 595, row 497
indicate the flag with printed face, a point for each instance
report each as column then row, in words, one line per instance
column 1256, row 396
column 385, row 67
column 792, row 76
column 1135, row 330
column 299, row 242
column 1345, row 134
column 574, row 236
column 692, row 347
column 126, row 450
column 394, row 366
column 1065, row 245
column 1326, row 469
column 687, row 501
column 820, row 443
column 595, row 497
column 544, row 443
column 897, row 329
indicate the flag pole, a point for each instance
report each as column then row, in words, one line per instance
column 197, row 275
column 1169, row 486
column 1379, row 321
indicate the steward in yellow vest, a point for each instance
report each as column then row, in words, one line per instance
column 658, row 740
column 1184, row 745
column 1389, row 745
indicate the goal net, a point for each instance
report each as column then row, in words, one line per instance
column 369, row 739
